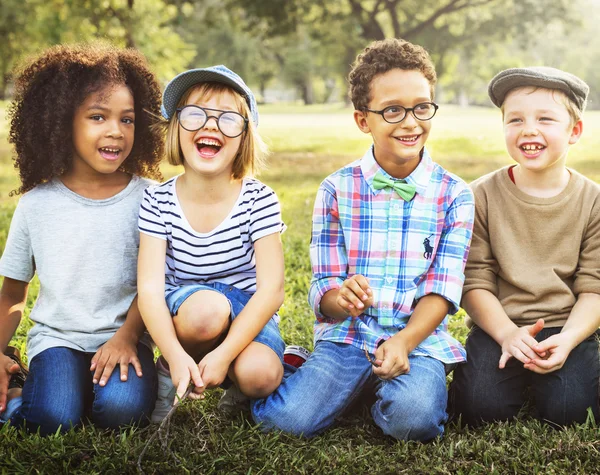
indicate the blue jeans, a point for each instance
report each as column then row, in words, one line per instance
column 238, row 299
column 59, row 392
column 411, row 406
column 481, row 392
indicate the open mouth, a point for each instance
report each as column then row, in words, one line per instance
column 208, row 147
column 110, row 153
column 532, row 149
column 409, row 139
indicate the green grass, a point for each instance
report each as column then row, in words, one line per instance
column 308, row 144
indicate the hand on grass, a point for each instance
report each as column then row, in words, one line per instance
column 183, row 371
column 521, row 343
column 8, row 367
column 392, row 358
column 213, row 368
column 355, row 295
column 557, row 348
column 120, row 350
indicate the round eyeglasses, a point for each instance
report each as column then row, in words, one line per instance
column 395, row 114
column 231, row 124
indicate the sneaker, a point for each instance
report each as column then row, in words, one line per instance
column 233, row 401
column 166, row 393
column 295, row 355
column 17, row 380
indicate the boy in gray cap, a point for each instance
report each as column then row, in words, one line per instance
column 532, row 278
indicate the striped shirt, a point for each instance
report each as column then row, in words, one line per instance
column 406, row 249
column 225, row 254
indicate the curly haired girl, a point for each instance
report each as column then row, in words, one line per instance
column 80, row 124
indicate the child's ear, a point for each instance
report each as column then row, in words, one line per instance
column 576, row 132
column 360, row 118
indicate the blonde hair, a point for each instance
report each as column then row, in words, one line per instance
column 251, row 155
column 575, row 113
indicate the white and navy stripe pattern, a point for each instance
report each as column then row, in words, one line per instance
column 225, row 254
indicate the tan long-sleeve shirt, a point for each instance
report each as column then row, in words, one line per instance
column 535, row 254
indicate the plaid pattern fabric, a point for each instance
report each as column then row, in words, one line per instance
column 406, row 249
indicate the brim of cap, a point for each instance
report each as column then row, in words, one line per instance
column 177, row 87
column 501, row 85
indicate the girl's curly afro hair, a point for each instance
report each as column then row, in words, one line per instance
column 49, row 89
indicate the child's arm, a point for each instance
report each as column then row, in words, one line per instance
column 260, row 308
column 582, row 322
column 120, row 349
column 487, row 313
column 351, row 299
column 156, row 316
column 13, row 297
column 437, row 293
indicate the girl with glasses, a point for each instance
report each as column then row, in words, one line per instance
column 211, row 260
column 80, row 124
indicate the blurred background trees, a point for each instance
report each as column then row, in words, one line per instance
column 303, row 49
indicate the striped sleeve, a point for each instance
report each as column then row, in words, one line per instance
column 265, row 217
column 150, row 220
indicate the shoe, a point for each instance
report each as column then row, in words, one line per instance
column 166, row 393
column 17, row 380
column 233, row 401
column 295, row 356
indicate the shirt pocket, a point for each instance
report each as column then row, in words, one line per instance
column 129, row 266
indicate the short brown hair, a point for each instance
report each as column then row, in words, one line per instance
column 252, row 152
column 383, row 56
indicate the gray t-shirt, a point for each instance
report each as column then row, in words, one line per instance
column 85, row 254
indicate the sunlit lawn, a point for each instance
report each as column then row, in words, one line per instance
column 307, row 145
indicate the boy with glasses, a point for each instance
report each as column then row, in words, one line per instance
column 390, row 237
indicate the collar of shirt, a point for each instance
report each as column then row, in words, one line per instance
column 420, row 176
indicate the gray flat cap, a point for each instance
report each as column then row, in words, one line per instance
column 538, row 76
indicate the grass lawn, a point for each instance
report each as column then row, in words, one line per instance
column 307, row 145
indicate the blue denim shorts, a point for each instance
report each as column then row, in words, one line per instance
column 238, row 299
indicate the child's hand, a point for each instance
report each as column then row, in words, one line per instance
column 355, row 295
column 213, row 368
column 521, row 344
column 557, row 347
column 119, row 350
column 392, row 358
column 183, row 370
column 8, row 367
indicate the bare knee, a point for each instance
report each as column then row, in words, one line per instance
column 258, row 377
column 203, row 317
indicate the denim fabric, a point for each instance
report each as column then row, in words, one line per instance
column 59, row 392
column 481, row 392
column 238, row 299
column 411, row 406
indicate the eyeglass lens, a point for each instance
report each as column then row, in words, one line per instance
column 192, row 118
column 423, row 111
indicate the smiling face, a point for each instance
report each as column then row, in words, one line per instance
column 208, row 151
column 538, row 129
column 397, row 146
column 103, row 130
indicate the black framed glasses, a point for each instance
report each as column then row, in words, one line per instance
column 395, row 114
column 231, row 124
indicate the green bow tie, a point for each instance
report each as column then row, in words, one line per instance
column 405, row 190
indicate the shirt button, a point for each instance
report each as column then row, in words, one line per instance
column 396, row 206
column 389, row 280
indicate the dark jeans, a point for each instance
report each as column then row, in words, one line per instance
column 481, row 392
column 59, row 392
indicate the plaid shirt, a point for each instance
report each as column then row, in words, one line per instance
column 406, row 249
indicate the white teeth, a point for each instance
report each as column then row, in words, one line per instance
column 408, row 139
column 532, row 147
column 212, row 142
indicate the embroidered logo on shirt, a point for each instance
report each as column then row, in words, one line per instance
column 427, row 246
